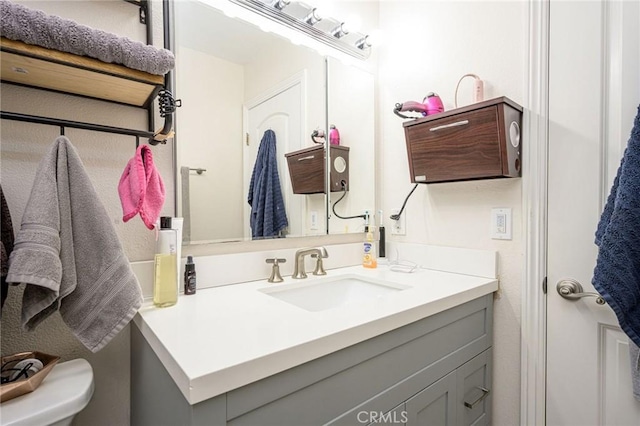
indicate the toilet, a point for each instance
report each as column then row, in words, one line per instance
column 65, row 392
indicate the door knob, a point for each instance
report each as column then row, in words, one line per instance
column 572, row 290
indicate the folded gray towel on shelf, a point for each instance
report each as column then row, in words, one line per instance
column 53, row 32
column 69, row 255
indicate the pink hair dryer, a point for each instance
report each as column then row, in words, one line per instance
column 431, row 104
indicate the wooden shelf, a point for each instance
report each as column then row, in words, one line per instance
column 36, row 66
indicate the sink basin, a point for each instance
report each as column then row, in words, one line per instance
column 332, row 292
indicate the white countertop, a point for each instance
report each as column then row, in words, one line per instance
column 226, row 337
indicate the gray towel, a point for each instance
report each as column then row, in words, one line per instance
column 36, row 27
column 68, row 254
column 634, row 353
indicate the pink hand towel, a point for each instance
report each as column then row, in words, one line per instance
column 141, row 188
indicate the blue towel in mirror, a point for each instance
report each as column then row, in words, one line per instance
column 268, row 215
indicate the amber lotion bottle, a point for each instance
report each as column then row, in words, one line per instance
column 165, row 283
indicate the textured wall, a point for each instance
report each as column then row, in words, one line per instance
column 104, row 157
column 428, row 46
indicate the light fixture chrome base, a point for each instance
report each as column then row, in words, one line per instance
column 280, row 16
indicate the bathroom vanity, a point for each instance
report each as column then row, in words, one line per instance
column 247, row 355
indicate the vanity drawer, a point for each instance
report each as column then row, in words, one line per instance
column 481, row 141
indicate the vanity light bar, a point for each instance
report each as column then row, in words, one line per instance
column 276, row 10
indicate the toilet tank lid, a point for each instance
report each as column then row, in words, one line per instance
column 65, row 391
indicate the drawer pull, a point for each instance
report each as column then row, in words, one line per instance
column 446, row 126
column 485, row 392
column 309, row 157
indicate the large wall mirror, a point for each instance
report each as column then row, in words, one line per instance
column 244, row 88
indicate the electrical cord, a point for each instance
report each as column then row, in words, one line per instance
column 455, row 100
column 397, row 215
column 405, row 266
column 344, row 193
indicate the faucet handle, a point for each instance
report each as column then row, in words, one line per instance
column 275, row 271
column 319, row 266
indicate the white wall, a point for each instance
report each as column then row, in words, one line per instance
column 104, row 157
column 428, row 46
column 355, row 120
column 210, row 137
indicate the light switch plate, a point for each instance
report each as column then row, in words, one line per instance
column 501, row 224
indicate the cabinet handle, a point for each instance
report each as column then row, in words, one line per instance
column 309, row 157
column 446, row 126
column 485, row 392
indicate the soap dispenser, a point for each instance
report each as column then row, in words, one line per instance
column 369, row 253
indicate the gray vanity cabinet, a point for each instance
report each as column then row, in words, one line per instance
column 435, row 405
column 459, row 398
column 474, row 391
column 420, row 374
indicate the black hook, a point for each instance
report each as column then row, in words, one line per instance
column 137, row 142
column 61, row 130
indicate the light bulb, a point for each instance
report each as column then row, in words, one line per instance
column 375, row 38
column 354, row 23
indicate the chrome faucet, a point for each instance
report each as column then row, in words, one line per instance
column 318, row 252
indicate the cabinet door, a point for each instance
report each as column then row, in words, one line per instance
column 474, row 391
column 435, row 405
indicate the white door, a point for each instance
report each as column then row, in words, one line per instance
column 594, row 90
column 282, row 111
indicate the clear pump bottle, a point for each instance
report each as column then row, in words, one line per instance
column 165, row 283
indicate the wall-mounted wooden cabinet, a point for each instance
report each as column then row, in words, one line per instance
column 479, row 141
column 307, row 166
